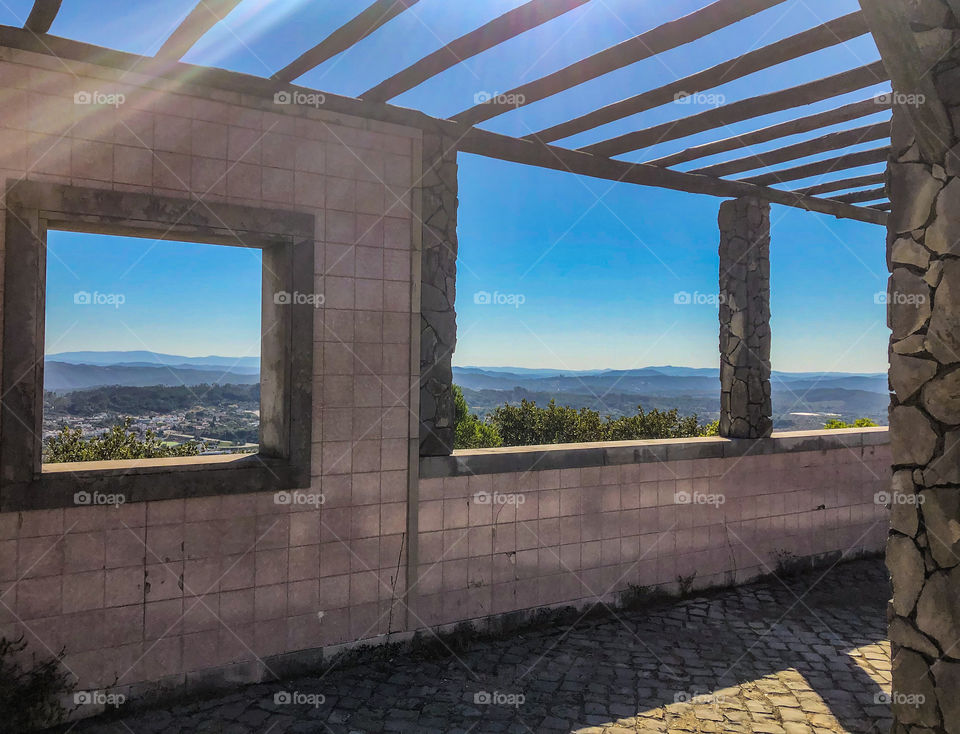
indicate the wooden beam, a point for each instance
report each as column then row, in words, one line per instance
column 840, row 163
column 885, row 207
column 201, row 19
column 501, row 29
column 518, row 150
column 703, row 22
column 823, row 36
column 200, row 81
column 861, row 196
column 836, row 116
column 353, row 31
column 746, row 109
column 833, row 141
column 844, row 184
column 889, row 22
column 42, row 15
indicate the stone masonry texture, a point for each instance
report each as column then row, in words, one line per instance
column 923, row 255
column 438, row 319
column 745, row 406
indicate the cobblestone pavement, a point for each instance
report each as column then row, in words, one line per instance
column 796, row 657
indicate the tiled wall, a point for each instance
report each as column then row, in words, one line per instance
column 162, row 589
column 503, row 542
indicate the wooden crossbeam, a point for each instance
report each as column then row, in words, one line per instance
column 840, row 163
column 703, row 22
column 353, row 31
column 861, row 196
column 806, row 124
column 518, row 150
column 501, row 29
column 42, row 15
column 746, row 109
column 844, row 184
column 889, row 21
column 833, row 141
column 885, row 207
column 823, row 36
column 203, row 80
column 205, row 15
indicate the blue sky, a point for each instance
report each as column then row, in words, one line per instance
column 130, row 293
column 597, row 263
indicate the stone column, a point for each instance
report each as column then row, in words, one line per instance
column 745, row 407
column 438, row 319
column 923, row 255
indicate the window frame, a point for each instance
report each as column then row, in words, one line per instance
column 286, row 239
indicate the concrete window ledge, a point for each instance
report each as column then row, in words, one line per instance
column 580, row 455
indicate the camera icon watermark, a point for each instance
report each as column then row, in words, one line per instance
column 498, row 498
column 899, row 699
column 888, row 499
column 298, row 498
column 486, row 298
column 98, row 698
column 296, row 698
column 86, row 298
column 101, row 99
column 899, row 299
column 303, row 99
column 700, row 98
column 498, row 698
column 506, row 100
column 901, row 99
column 283, row 298
column 98, row 499
column 699, row 498
column 685, row 298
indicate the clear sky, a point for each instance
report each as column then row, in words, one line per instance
column 597, row 264
column 131, row 294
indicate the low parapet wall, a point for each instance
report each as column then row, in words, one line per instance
column 505, row 530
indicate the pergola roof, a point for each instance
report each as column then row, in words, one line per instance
column 780, row 167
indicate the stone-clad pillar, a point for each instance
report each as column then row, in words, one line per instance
column 923, row 255
column 745, row 407
column 438, row 319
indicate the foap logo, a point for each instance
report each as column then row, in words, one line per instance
column 283, row 298
column 506, row 100
column 700, row 98
column 899, row 299
column 902, row 100
column 685, row 298
column 297, row 698
column 899, row 699
column 499, row 698
column 86, row 298
column 486, row 298
column 709, row 699
column 98, row 698
column 888, row 499
column 98, row 499
column 698, row 498
column 498, row 498
column 304, row 99
column 298, row 499
column 102, row 99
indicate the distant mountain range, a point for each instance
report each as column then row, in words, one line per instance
column 67, row 371
column 800, row 400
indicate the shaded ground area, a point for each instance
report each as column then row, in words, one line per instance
column 795, row 656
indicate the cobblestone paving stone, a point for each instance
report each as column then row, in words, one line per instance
column 807, row 655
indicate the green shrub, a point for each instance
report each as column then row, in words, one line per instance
column 118, row 443
column 470, row 432
column 858, row 423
